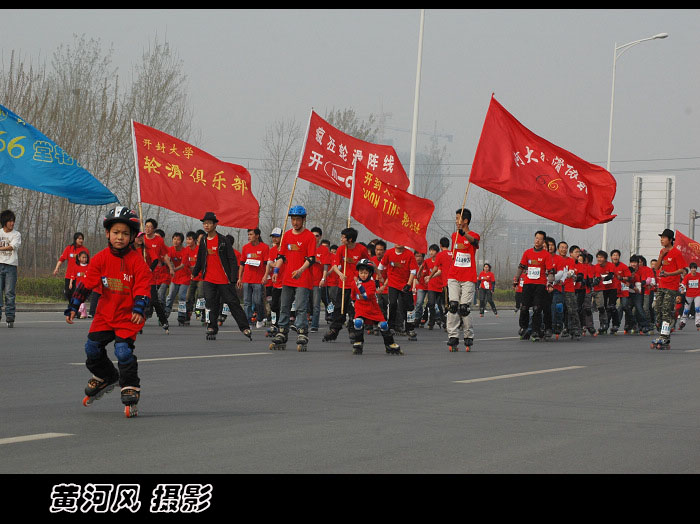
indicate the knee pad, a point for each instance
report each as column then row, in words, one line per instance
column 124, row 354
column 92, row 349
column 559, row 308
column 359, row 323
column 384, row 326
column 454, row 306
column 464, row 310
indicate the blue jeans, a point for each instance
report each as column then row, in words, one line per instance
column 316, row 304
column 181, row 291
column 421, row 295
column 8, row 281
column 289, row 295
column 253, row 296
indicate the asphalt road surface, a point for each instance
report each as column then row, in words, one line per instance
column 608, row 404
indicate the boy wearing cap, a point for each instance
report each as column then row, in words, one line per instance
column 273, row 290
column 217, row 263
column 670, row 270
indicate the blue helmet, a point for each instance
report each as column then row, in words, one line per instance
column 298, row 211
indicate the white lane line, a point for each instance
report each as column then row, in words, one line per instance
column 499, row 377
column 692, row 350
column 186, row 358
column 39, row 436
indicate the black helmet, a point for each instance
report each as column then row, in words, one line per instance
column 125, row 216
column 367, row 264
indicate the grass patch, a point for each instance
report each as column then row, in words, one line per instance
column 39, row 289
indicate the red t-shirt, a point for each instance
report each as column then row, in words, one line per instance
column 443, row 261
column 355, row 254
column 253, row 259
column 646, row 272
column 564, row 264
column 295, row 248
column 323, row 256
column 215, row 273
column 622, row 271
column 182, row 276
column 537, row 264
column 583, row 270
column 272, row 257
column 486, row 280
column 155, row 250
column 118, row 280
column 673, row 261
column 692, row 285
column 366, row 308
column 463, row 266
column 607, row 269
column 70, row 254
column 191, row 261
column 331, row 277
column 399, row 266
column 425, row 269
column 80, row 273
column 376, row 263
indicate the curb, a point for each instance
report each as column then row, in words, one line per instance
column 40, row 307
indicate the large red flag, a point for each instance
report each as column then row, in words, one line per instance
column 389, row 212
column 539, row 176
column 328, row 157
column 180, row 177
column 688, row 247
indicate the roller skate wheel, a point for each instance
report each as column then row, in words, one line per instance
column 130, row 411
column 301, row 348
column 87, row 401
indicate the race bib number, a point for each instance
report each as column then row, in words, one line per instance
column 638, row 286
column 225, row 310
column 252, row 262
column 693, row 284
column 486, row 284
column 624, row 287
column 463, row 260
column 182, row 307
column 200, row 303
column 411, row 316
column 533, row 273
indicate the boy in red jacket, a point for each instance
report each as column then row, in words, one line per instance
column 126, row 284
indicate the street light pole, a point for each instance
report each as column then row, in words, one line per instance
column 414, row 131
column 693, row 215
column 622, row 49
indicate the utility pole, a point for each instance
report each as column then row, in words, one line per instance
column 691, row 223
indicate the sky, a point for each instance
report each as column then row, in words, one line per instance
column 551, row 69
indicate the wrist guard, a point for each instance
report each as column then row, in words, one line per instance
column 406, row 288
column 362, row 290
column 140, row 304
column 310, row 260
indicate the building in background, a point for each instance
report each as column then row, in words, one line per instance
column 653, row 210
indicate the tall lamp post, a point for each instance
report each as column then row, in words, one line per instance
column 616, row 55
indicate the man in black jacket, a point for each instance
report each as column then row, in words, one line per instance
column 219, row 275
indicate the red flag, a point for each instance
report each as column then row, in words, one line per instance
column 329, row 153
column 536, row 175
column 688, row 247
column 180, row 177
column 391, row 213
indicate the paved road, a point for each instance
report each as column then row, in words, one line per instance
column 601, row 405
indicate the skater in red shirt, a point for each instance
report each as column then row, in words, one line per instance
column 401, row 270
column 670, row 268
column 363, row 292
column 691, row 283
column 124, row 278
column 70, row 255
column 250, row 272
column 179, row 256
column 605, row 293
column 487, row 283
column 218, row 266
column 275, row 287
column 537, row 268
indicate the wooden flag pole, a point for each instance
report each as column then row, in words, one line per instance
column 138, row 182
column 345, row 262
column 301, row 155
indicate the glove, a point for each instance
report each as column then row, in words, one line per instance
column 596, row 281
column 579, row 277
column 406, row 288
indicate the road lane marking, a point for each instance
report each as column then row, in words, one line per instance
column 499, row 377
column 185, row 358
column 27, row 438
column 692, row 350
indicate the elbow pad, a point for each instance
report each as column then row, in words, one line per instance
column 140, row 304
column 310, row 260
column 281, row 257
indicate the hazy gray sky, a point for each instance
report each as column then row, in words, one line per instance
column 552, row 69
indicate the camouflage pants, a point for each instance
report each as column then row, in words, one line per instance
column 572, row 313
column 664, row 307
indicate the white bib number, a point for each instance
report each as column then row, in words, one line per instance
column 486, row 284
column 607, row 282
column 533, row 273
column 200, row 303
column 463, row 260
column 225, row 310
column 182, row 306
column 693, row 284
column 624, row 287
column 252, row 262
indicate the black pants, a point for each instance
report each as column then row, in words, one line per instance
column 436, row 298
column 348, row 311
column 102, row 367
column 404, row 301
column 68, row 289
column 276, row 295
column 486, row 296
column 535, row 296
column 157, row 305
column 216, row 295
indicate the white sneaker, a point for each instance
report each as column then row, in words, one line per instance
column 259, row 325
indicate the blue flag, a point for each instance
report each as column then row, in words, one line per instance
column 29, row 159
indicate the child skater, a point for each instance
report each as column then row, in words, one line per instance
column 125, row 280
column 81, row 265
column 364, row 293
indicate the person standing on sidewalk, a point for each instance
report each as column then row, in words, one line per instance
column 10, row 241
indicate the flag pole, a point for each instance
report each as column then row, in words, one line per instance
column 345, row 261
column 301, row 155
column 138, row 181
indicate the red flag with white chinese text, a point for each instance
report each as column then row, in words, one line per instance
column 688, row 247
column 391, row 213
column 183, row 178
column 328, row 156
column 539, row 176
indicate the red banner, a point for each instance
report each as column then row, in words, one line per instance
column 391, row 213
column 688, row 247
column 329, row 153
column 539, row 176
column 180, row 177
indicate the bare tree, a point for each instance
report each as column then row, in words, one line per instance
column 281, row 155
column 487, row 218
